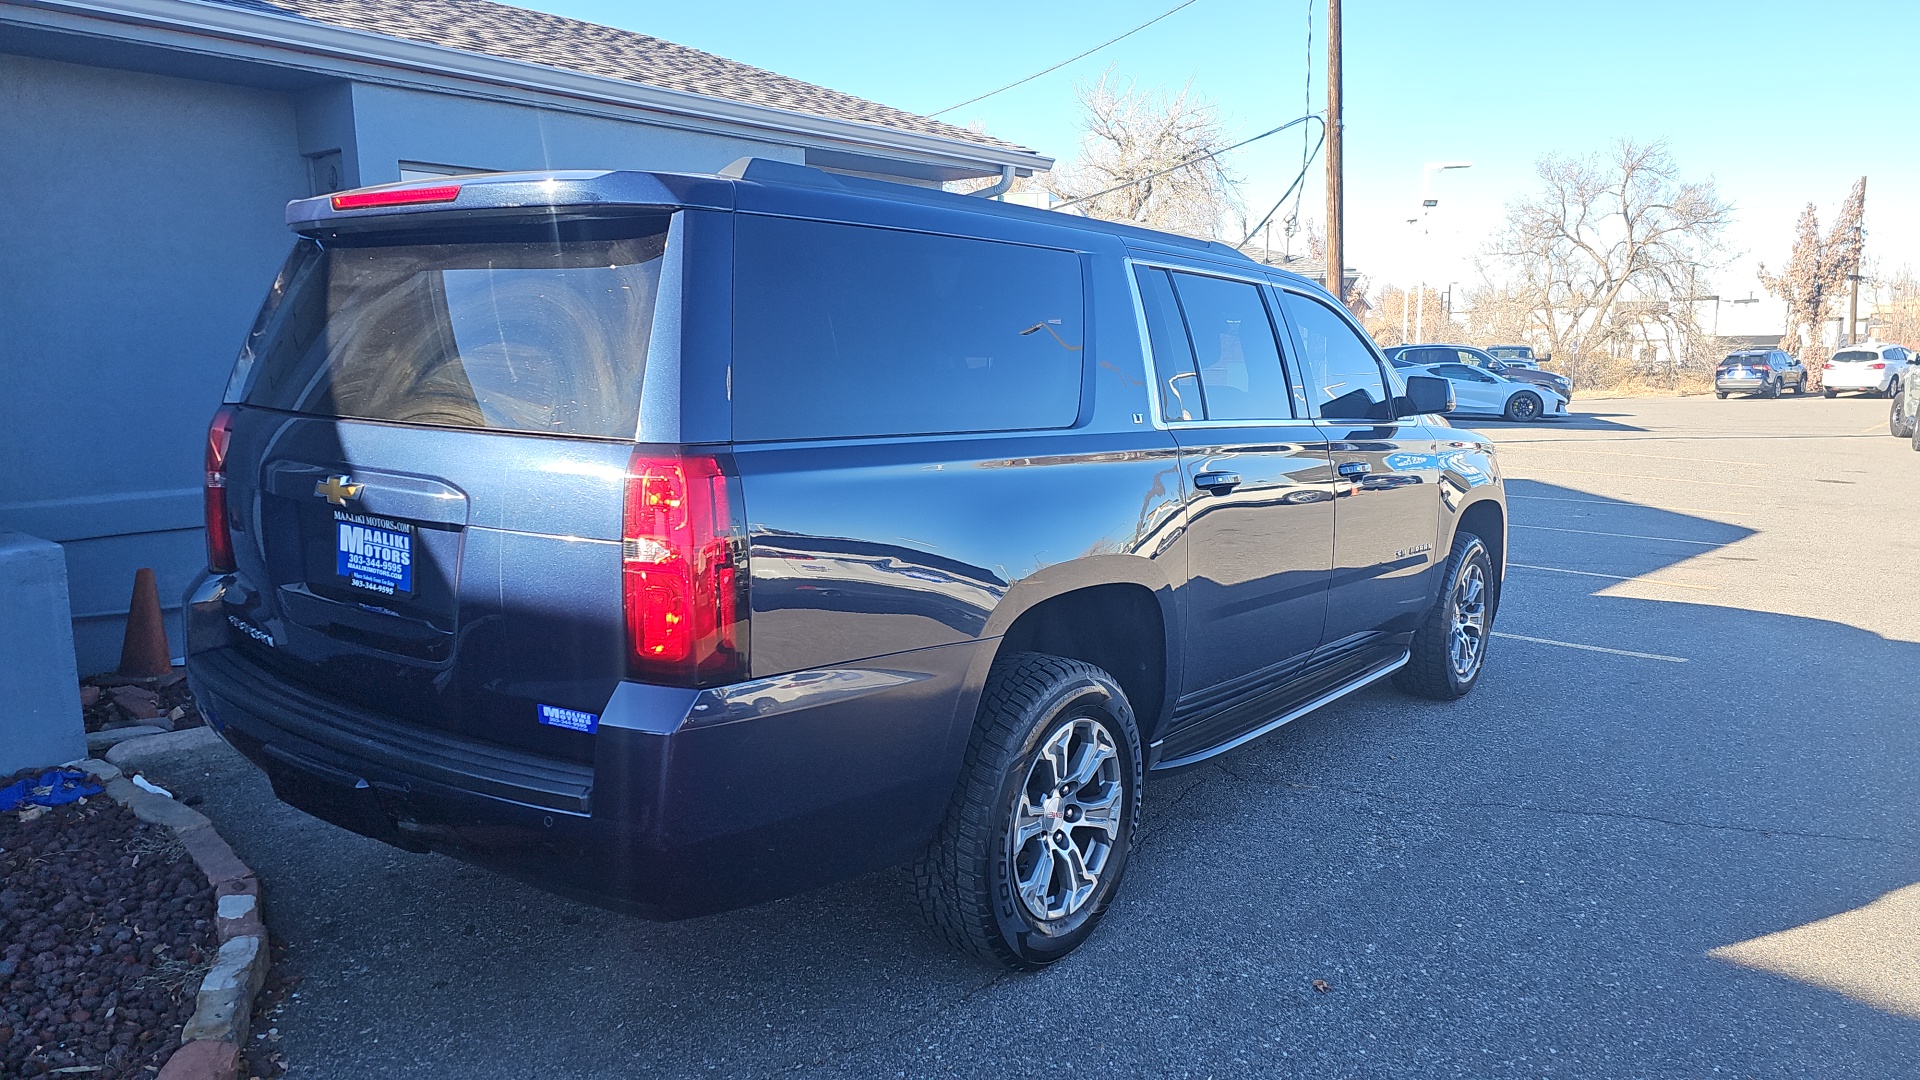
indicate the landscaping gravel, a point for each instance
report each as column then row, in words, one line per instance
column 106, row 926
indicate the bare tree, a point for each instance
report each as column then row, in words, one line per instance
column 1816, row 274
column 1600, row 232
column 1898, row 317
column 1396, row 316
column 1144, row 160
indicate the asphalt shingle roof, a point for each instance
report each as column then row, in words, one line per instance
column 481, row 26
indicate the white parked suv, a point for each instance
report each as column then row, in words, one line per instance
column 1873, row 366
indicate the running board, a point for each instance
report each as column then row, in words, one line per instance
column 1335, row 694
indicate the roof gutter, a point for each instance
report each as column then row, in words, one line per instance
column 1006, row 181
column 308, row 40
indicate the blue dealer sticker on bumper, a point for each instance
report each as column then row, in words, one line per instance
column 571, row 719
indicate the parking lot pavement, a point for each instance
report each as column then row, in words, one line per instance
column 1573, row 872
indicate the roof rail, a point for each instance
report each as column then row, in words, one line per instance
column 774, row 171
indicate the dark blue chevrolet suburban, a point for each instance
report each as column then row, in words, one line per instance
column 678, row 542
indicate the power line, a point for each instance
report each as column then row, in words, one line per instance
column 1299, row 184
column 1196, row 159
column 1068, row 60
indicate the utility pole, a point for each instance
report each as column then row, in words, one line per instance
column 1336, row 253
column 1853, row 308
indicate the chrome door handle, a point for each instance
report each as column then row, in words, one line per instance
column 1217, row 483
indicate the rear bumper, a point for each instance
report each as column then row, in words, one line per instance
column 1739, row 384
column 1841, row 381
column 695, row 801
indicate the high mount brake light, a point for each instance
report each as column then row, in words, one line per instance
column 219, row 532
column 367, row 200
column 681, row 578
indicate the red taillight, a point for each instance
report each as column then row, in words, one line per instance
column 366, row 200
column 1876, row 367
column 219, row 533
column 680, row 573
column 1829, row 367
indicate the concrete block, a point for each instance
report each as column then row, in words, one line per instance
column 98, row 741
column 40, row 721
column 187, row 740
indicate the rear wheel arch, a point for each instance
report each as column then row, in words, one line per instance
column 1119, row 627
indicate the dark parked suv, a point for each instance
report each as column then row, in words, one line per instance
column 679, row 542
column 1765, row 372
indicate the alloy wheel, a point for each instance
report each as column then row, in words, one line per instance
column 1525, row 407
column 1066, row 820
column 1467, row 639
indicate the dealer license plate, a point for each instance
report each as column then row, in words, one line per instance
column 375, row 554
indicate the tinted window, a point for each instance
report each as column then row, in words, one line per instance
column 1343, row 381
column 1857, row 357
column 1461, row 372
column 1234, row 344
column 840, row 330
column 1172, row 357
column 543, row 335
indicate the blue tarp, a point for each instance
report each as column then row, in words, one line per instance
column 55, row 787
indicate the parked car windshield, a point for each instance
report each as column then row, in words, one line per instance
column 545, row 335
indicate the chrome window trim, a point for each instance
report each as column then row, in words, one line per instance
column 1153, row 370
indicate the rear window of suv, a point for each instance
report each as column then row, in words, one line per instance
column 520, row 332
column 843, row 331
column 1854, row 357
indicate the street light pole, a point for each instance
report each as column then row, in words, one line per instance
column 1427, row 203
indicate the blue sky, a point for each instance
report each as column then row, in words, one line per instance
column 1778, row 103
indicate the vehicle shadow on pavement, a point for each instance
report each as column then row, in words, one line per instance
column 1528, row 880
column 1578, row 419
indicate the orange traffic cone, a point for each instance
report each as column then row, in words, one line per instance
column 144, row 653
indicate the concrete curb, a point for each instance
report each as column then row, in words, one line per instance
column 124, row 754
column 211, row 1041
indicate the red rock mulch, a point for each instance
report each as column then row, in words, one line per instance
column 106, row 926
column 110, row 701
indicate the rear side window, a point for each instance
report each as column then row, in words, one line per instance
column 1172, row 357
column 1857, row 357
column 842, row 331
column 544, row 335
column 1234, row 345
column 1342, row 378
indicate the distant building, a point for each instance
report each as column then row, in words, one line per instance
column 148, row 148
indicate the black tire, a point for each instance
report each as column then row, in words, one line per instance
column 1525, row 405
column 1899, row 424
column 1772, row 390
column 1892, row 390
column 1829, row 393
column 967, row 880
column 1430, row 671
column 1800, row 387
column 1721, row 394
column 1915, row 425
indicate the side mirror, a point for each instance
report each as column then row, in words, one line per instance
column 1425, row 394
column 1497, row 368
column 1544, row 357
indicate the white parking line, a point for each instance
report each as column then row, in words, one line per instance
column 1615, row 577
column 1593, row 648
column 1624, row 536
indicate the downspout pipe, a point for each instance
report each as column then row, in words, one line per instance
column 999, row 189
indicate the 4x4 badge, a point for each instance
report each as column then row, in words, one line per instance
column 338, row 489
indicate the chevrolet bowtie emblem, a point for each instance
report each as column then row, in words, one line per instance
column 338, row 489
